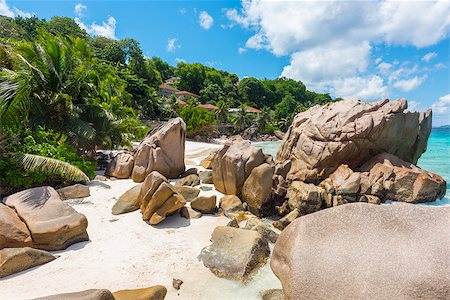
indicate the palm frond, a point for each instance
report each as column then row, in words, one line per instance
column 31, row 162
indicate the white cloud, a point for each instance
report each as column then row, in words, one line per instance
column 384, row 67
column 79, row 8
column 439, row 66
column 442, row 106
column 408, row 85
column 180, row 60
column 330, row 42
column 172, row 44
column 205, row 20
column 367, row 88
column 309, row 67
column 429, row 56
column 241, row 50
column 107, row 29
column 5, row 10
column 182, row 11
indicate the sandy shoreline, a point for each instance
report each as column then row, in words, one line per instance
column 126, row 253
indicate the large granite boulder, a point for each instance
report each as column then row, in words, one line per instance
column 233, row 164
column 235, row 253
column 364, row 251
column 161, row 150
column 257, row 190
column 351, row 132
column 13, row 231
column 158, row 198
column 53, row 224
column 13, row 260
column 92, row 294
column 391, row 178
column 128, row 202
column 74, row 191
column 157, row 292
column 121, row 166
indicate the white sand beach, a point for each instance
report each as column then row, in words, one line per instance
column 124, row 252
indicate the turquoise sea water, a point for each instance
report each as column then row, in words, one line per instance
column 436, row 159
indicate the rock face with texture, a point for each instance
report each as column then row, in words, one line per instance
column 128, row 202
column 74, row 191
column 157, row 292
column 306, row 198
column 397, row 251
column 233, row 164
column 13, row 232
column 53, row 224
column 161, row 150
column 121, row 166
column 384, row 177
column 158, row 199
column 351, row 132
column 230, row 203
column 235, row 253
column 205, row 204
column 93, row 294
column 392, row 178
column 207, row 161
column 13, row 260
column 257, row 190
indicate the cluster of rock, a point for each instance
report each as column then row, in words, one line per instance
column 161, row 150
column 351, row 151
column 243, row 170
column 36, row 218
column 157, row 198
column 334, row 154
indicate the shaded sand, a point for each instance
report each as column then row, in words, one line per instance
column 126, row 253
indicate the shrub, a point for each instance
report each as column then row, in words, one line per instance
column 45, row 143
column 198, row 120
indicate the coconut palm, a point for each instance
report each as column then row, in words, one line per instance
column 242, row 119
column 222, row 111
column 49, row 85
column 264, row 118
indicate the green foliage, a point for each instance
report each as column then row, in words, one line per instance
column 191, row 76
column 286, row 107
column 44, row 143
column 212, row 92
column 66, row 27
column 252, row 90
column 163, row 68
column 198, row 120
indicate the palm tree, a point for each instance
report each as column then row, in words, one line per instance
column 222, row 111
column 50, row 85
column 31, row 162
column 242, row 120
column 264, row 118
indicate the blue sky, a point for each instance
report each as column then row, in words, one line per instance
column 369, row 50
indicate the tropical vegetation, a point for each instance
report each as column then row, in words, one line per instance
column 65, row 94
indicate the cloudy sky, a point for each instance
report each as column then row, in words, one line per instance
column 369, row 50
